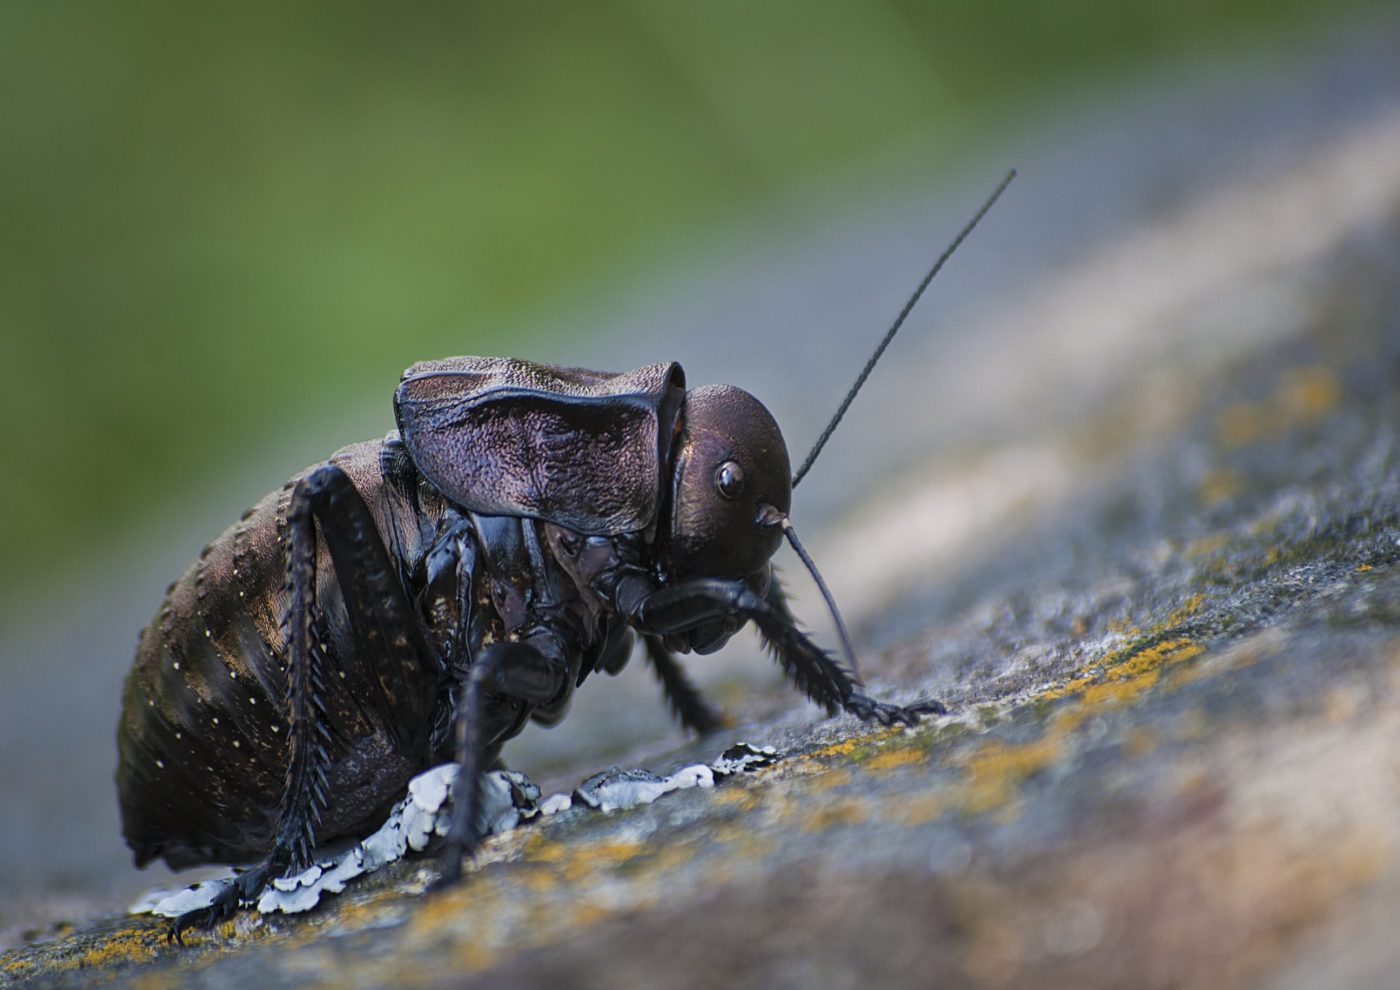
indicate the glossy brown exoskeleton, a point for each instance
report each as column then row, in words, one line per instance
column 516, row 534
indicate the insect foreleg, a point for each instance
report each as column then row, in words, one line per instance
column 517, row 670
column 821, row 676
column 682, row 607
column 685, row 699
column 817, row 672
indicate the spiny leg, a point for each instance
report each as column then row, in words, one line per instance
column 821, row 676
column 808, row 664
column 381, row 618
column 682, row 695
column 519, row 671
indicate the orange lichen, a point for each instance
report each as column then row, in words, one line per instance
column 1304, row 396
column 849, row 812
column 449, row 905
column 1240, row 423
column 743, row 799
column 1309, row 394
column 890, row 759
column 133, row 945
column 919, row 809
column 604, row 855
column 541, row 850
column 15, row 967
column 995, row 770
column 830, row 779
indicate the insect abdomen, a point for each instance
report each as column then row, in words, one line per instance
column 202, row 738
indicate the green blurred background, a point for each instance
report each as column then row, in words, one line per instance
column 221, row 220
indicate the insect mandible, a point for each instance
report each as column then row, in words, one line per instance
column 421, row 598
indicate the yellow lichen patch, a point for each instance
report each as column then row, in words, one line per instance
column 995, row 770
column 1153, row 658
column 130, row 946
column 1123, row 682
column 583, row 914
column 1132, row 661
column 737, row 797
column 1188, row 608
column 604, row 855
column 672, row 857
column 1219, row 486
column 1206, row 546
column 447, row 906
column 742, row 840
column 1119, row 692
column 535, row 880
column 831, row 779
column 1304, row 396
column 542, row 850
column 159, row 979
column 16, row 967
column 1240, row 423
column 893, row 758
column 851, row 812
column 843, row 748
column 473, row 955
column 847, row 747
column 920, row 809
column 1065, row 690
column 354, row 916
column 1309, row 394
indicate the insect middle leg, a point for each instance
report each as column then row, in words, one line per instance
column 525, row 671
column 684, row 698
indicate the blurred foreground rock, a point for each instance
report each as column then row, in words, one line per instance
column 1173, row 758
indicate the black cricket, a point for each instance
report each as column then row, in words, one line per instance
column 418, row 599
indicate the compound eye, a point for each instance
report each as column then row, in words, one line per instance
column 729, row 480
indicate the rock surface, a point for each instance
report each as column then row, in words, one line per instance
column 1166, row 619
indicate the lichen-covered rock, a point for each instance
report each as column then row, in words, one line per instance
column 1171, row 758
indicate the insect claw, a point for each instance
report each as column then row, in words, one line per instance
column 927, row 706
column 868, row 709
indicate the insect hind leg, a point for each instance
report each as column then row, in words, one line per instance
column 405, row 673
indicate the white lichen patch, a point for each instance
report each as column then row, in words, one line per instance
column 508, row 798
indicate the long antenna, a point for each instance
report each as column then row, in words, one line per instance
column 894, row 329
